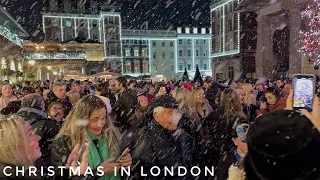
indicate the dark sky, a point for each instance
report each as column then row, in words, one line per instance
column 161, row 14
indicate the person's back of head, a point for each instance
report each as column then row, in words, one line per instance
column 282, row 145
column 33, row 101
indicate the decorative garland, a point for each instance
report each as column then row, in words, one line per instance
column 4, row 31
column 56, row 55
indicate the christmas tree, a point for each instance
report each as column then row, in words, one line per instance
column 197, row 76
column 310, row 37
column 185, row 76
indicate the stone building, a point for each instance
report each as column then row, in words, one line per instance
column 279, row 23
column 11, row 52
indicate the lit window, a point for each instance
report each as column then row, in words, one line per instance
column 128, row 53
column 144, row 52
column 68, row 23
column 128, row 67
column 136, row 52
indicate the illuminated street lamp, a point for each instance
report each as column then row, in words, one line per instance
column 32, row 62
column 49, row 67
column 55, row 73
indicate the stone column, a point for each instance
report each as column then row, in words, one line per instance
column 39, row 73
column 295, row 57
column 61, row 70
column 264, row 56
column 83, row 70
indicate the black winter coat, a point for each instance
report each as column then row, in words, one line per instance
column 125, row 108
column 212, row 94
column 47, row 129
column 67, row 106
column 221, row 133
column 159, row 147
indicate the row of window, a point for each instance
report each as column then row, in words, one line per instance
column 163, row 54
column 196, row 41
column 128, row 52
column 137, row 68
column 181, row 68
column 163, row 44
column 82, row 22
column 196, row 53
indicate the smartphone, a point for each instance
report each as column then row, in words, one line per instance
column 123, row 154
column 85, row 144
column 304, row 86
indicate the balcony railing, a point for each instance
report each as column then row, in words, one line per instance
column 55, row 55
column 147, row 32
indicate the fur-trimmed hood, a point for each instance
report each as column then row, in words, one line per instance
column 236, row 173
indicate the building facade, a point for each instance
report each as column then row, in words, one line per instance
column 278, row 29
column 11, row 52
column 194, row 50
column 166, row 54
column 233, row 41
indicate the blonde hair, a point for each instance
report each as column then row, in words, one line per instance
column 73, row 96
column 82, row 111
column 231, row 103
column 13, row 139
column 195, row 93
column 183, row 97
column 249, row 96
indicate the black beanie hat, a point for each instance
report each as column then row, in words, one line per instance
column 283, row 145
column 166, row 101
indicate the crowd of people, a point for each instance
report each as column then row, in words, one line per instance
column 246, row 130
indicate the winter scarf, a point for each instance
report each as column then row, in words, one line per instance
column 98, row 154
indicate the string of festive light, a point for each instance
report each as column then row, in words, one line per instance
column 310, row 38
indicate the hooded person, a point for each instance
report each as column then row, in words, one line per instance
column 32, row 109
column 281, row 145
column 160, row 142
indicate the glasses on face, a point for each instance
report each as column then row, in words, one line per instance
column 56, row 109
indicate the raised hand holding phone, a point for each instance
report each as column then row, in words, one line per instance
column 73, row 159
column 313, row 116
column 125, row 159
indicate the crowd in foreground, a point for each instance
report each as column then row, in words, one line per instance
column 245, row 130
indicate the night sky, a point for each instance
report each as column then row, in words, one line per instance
column 161, row 14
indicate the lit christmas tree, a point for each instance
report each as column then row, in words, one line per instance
column 310, row 38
